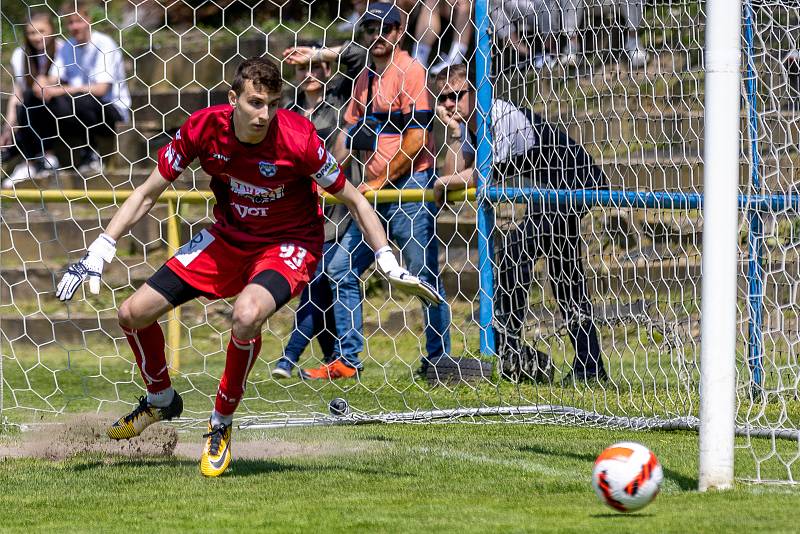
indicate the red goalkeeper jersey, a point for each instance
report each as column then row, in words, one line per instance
column 267, row 192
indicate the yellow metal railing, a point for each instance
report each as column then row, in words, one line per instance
column 174, row 198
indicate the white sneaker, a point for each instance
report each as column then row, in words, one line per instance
column 24, row 171
column 281, row 372
column 637, row 58
column 547, row 61
column 47, row 166
column 570, row 60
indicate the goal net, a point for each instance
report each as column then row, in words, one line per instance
column 572, row 282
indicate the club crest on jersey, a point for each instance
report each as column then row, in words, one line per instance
column 267, row 169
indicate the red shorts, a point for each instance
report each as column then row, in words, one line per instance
column 220, row 269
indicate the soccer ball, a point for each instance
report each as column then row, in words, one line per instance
column 627, row 476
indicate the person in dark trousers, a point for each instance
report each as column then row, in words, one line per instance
column 527, row 152
column 321, row 99
column 92, row 72
column 30, row 121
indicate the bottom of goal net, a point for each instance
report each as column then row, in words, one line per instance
column 541, row 413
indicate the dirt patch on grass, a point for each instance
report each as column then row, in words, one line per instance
column 87, row 434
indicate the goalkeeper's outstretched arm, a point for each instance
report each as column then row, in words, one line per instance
column 103, row 249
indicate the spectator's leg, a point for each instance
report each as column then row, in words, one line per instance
column 460, row 14
column 565, row 266
column 65, row 127
column 351, row 259
column 78, row 114
column 97, row 120
column 41, row 121
column 632, row 12
column 427, row 31
column 304, row 324
column 323, row 298
column 412, row 228
column 571, row 17
column 515, row 254
column 25, row 137
column 462, row 24
column 544, row 20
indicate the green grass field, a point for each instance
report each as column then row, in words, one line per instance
column 389, row 478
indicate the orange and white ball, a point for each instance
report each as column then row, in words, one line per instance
column 627, row 476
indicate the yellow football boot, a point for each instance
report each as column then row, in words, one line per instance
column 144, row 415
column 217, row 451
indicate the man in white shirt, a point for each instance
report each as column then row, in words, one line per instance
column 92, row 73
column 527, row 152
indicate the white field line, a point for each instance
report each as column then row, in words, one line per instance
column 529, row 466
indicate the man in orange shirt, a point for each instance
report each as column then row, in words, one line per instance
column 389, row 123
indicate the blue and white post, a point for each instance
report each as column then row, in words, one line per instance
column 755, row 241
column 484, row 167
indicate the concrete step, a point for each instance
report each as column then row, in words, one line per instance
column 28, row 281
column 42, row 235
column 170, row 109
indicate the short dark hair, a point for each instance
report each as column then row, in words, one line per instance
column 263, row 72
column 455, row 73
column 452, row 72
column 81, row 7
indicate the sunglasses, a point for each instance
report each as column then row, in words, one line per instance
column 455, row 96
column 377, row 29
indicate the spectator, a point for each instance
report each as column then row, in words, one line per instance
column 350, row 59
column 429, row 30
column 515, row 21
column 389, row 118
column 323, row 107
column 30, row 123
column 792, row 64
column 572, row 15
column 536, row 154
column 93, row 77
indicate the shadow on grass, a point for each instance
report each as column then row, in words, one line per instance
column 684, row 482
column 612, row 515
column 238, row 468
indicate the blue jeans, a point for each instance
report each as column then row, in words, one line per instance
column 314, row 315
column 411, row 225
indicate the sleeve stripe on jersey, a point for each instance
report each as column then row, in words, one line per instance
column 329, row 174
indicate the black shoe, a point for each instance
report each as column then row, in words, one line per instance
column 577, row 378
column 526, row 364
column 8, row 153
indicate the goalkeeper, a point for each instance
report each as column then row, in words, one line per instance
column 527, row 152
column 265, row 165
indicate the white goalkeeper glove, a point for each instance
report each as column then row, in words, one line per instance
column 91, row 266
column 403, row 279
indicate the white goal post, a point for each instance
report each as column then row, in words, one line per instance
column 720, row 213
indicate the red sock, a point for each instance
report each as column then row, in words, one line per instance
column 240, row 359
column 148, row 346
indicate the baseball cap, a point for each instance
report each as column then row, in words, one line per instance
column 382, row 12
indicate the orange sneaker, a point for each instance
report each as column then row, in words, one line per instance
column 332, row 371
